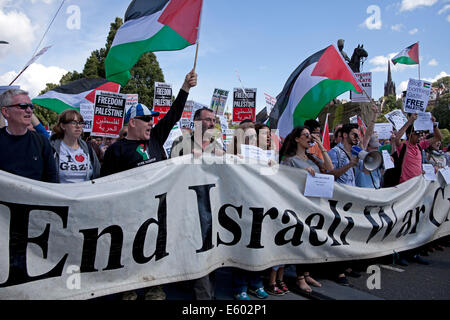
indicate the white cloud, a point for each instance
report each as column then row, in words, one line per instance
column 398, row 27
column 433, row 62
column 380, row 64
column 15, row 28
column 445, row 8
column 413, row 31
column 437, row 77
column 35, row 78
column 410, row 5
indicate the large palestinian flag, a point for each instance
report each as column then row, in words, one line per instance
column 318, row 80
column 156, row 25
column 409, row 55
column 71, row 95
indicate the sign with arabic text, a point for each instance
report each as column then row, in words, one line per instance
column 244, row 104
column 109, row 111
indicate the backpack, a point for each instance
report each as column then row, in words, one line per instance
column 392, row 176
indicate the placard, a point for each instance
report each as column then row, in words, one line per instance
column 417, row 95
column 109, row 111
column 244, row 104
column 364, row 79
column 397, row 118
column 218, row 101
column 388, row 164
column 430, row 174
column 270, row 102
column 321, row 186
column 423, row 122
column 445, row 172
column 162, row 100
column 383, row 130
column 87, row 112
column 132, row 100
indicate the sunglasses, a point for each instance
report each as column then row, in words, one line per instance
column 23, row 106
column 144, row 118
column 307, row 135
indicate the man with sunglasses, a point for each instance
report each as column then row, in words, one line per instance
column 24, row 152
column 341, row 155
column 144, row 143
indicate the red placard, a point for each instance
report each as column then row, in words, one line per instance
column 243, row 113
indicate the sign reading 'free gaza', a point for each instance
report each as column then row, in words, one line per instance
column 417, row 96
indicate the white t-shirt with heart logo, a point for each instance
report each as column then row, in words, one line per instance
column 73, row 164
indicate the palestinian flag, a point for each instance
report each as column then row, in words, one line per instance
column 326, row 135
column 156, row 25
column 409, row 55
column 71, row 95
column 318, row 80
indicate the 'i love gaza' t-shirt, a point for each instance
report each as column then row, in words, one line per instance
column 73, row 165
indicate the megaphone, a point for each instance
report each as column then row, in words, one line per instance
column 371, row 160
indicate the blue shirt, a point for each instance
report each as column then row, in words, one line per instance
column 364, row 180
column 339, row 159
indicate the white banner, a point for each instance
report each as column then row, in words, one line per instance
column 181, row 219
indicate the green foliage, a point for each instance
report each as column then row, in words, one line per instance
column 338, row 115
column 143, row 75
column 444, row 80
column 442, row 111
column 391, row 103
column 445, row 137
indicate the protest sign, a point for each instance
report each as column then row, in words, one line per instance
column 244, row 104
column 388, row 164
column 445, row 172
column 132, row 100
column 173, row 135
column 430, row 174
column 176, row 220
column 423, row 122
column 162, row 100
column 87, row 112
column 353, row 119
column 397, row 118
column 270, row 102
column 228, row 135
column 109, row 111
column 319, row 185
column 383, row 130
column 218, row 101
column 365, row 81
column 417, row 95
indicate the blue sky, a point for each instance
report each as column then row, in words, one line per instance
column 264, row 41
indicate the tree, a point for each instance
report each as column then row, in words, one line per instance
column 442, row 111
column 142, row 81
column 391, row 103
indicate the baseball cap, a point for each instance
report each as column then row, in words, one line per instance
column 139, row 110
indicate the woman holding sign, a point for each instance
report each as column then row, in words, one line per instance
column 294, row 153
column 75, row 159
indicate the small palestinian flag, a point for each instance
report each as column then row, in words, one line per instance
column 71, row 95
column 318, row 80
column 157, row 25
column 427, row 85
column 409, row 55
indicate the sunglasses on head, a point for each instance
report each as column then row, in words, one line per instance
column 144, row 118
column 23, row 106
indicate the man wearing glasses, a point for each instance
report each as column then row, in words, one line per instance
column 341, row 155
column 144, row 143
column 24, row 152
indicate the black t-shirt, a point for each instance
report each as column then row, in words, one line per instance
column 128, row 154
column 28, row 156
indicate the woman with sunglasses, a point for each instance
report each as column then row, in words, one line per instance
column 294, row 153
column 75, row 159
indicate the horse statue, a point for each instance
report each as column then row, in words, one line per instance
column 358, row 57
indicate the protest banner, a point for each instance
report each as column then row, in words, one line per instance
column 162, row 100
column 218, row 101
column 244, row 104
column 383, row 130
column 365, row 81
column 132, row 100
column 417, row 95
column 87, row 112
column 109, row 111
column 137, row 228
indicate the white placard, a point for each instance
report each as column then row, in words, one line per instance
column 423, row 122
column 321, row 185
column 365, row 81
column 417, row 95
column 249, row 151
column 353, row 119
column 132, row 100
column 388, row 164
column 87, row 112
column 397, row 118
column 430, row 174
column 445, row 172
column 383, row 130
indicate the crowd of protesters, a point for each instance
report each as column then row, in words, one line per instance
column 65, row 157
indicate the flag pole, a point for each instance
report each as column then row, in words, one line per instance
column 196, row 55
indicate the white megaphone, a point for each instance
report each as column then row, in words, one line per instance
column 371, row 160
